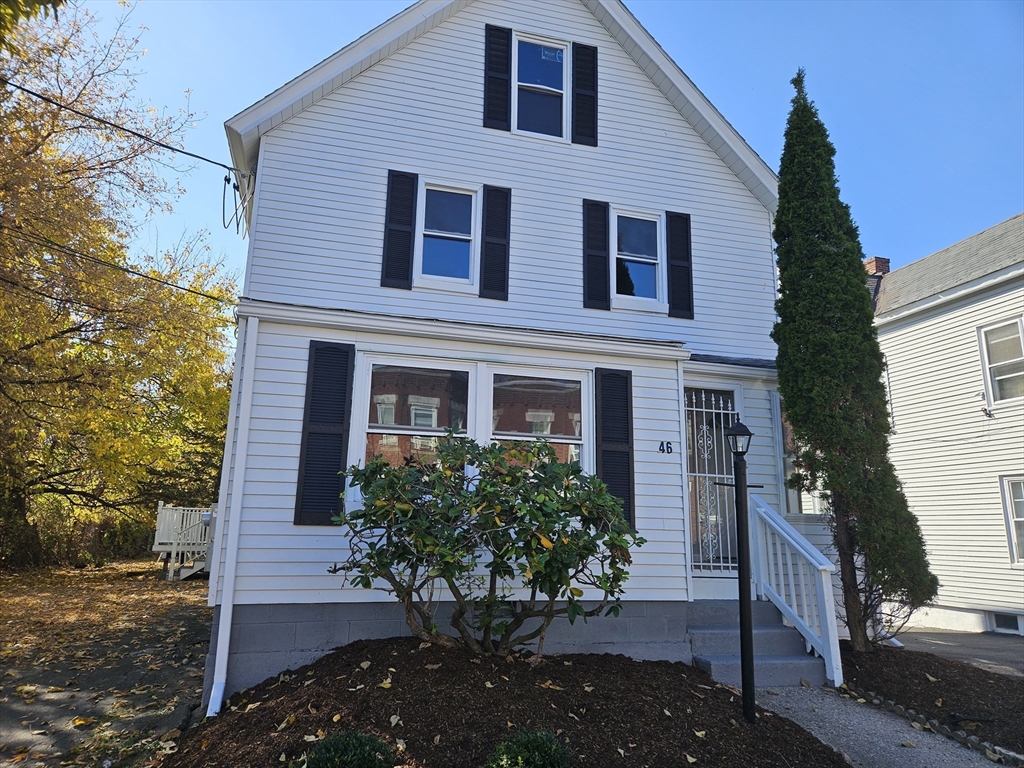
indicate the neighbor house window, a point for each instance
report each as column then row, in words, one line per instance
column 446, row 236
column 540, row 78
column 411, row 407
column 531, row 407
column 638, row 268
column 1004, row 361
column 1013, row 504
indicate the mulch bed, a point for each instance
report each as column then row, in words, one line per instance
column 447, row 711
column 984, row 704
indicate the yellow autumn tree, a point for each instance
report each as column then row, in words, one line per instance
column 113, row 382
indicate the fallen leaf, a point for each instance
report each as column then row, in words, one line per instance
column 588, row 688
column 804, row 683
column 253, row 706
column 938, row 702
column 336, row 718
column 573, row 717
column 433, row 666
column 667, row 712
column 288, row 721
column 396, row 720
column 400, row 745
column 311, row 738
column 437, row 739
column 622, row 752
column 700, row 734
column 551, row 686
column 364, row 665
column 908, row 744
column 385, row 683
column 917, row 726
column 424, row 645
column 930, row 678
column 79, row 722
column 172, row 734
column 691, row 759
column 307, row 682
column 489, row 684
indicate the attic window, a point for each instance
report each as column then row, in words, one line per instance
column 540, row 87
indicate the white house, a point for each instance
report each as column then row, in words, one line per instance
column 511, row 219
column 950, row 327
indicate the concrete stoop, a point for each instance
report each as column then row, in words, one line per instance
column 780, row 653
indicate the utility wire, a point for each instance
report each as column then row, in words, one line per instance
column 115, row 126
column 34, row 239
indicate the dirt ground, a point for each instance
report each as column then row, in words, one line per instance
column 442, row 708
column 97, row 665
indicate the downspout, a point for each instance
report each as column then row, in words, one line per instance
column 233, row 519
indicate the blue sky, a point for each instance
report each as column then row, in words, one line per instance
column 924, row 100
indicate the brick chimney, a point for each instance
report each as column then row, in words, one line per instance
column 876, row 265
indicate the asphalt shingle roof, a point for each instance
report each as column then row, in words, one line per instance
column 994, row 249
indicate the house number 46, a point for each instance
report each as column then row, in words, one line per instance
column 665, row 447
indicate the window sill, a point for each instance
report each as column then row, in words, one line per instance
column 632, row 304
column 542, row 136
column 442, row 285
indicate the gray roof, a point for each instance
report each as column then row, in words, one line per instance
column 994, row 249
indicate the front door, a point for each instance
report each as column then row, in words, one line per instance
column 709, row 412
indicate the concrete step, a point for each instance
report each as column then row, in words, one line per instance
column 768, row 670
column 768, row 641
column 709, row 613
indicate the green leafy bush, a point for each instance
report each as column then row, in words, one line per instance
column 351, row 749
column 489, row 523
column 529, row 749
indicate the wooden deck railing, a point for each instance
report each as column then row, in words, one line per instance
column 183, row 533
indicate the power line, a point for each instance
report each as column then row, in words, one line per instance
column 117, row 127
column 35, row 239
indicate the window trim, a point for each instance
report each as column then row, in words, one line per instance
column 438, row 282
column 1005, row 481
column 549, row 42
column 990, row 394
column 659, row 304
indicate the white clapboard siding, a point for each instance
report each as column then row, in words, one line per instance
column 319, row 217
column 281, row 562
column 948, row 454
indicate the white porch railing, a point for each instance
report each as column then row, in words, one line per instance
column 797, row 578
column 183, row 534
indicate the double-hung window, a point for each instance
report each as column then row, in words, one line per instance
column 540, row 74
column 1013, row 504
column 638, row 268
column 1003, row 348
column 528, row 407
column 446, row 242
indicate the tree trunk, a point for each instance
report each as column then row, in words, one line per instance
column 20, row 546
column 856, row 622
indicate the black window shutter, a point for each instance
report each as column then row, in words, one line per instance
column 399, row 230
column 584, row 94
column 614, row 422
column 324, row 451
column 680, row 266
column 498, row 78
column 494, row 245
column 596, row 282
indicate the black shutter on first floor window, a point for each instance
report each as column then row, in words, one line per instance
column 325, row 423
column 614, row 427
column 584, row 94
column 596, row 280
column 494, row 243
column 399, row 230
column 498, row 78
column 680, row 266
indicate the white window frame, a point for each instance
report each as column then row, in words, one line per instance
column 438, row 282
column 659, row 304
column 990, row 393
column 587, row 436
column 1005, row 484
column 548, row 42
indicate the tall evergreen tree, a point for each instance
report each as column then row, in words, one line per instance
column 830, row 379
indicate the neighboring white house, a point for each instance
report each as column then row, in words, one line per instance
column 513, row 219
column 950, row 327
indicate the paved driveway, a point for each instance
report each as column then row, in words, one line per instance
column 988, row 650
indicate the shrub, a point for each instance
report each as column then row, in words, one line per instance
column 484, row 521
column 529, row 749
column 351, row 749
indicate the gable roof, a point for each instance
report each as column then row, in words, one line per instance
column 972, row 259
column 245, row 129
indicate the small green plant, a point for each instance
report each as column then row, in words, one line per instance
column 511, row 533
column 351, row 749
column 529, row 749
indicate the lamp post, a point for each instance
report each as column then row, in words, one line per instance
column 739, row 443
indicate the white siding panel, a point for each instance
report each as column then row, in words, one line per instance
column 318, row 229
column 949, row 454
